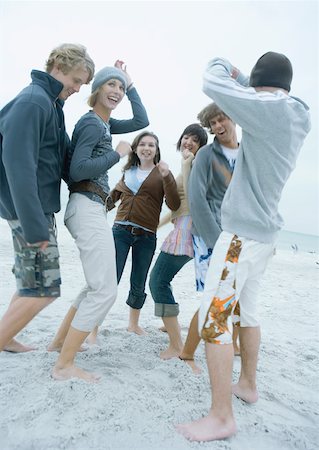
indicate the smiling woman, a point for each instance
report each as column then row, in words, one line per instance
column 147, row 180
column 91, row 155
column 108, row 89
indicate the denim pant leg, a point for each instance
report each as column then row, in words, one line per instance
column 143, row 249
column 123, row 240
column 163, row 272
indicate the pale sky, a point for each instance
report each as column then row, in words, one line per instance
column 166, row 46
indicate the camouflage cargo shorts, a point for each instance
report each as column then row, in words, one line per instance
column 37, row 271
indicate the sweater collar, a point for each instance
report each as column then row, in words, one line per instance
column 51, row 85
column 217, row 146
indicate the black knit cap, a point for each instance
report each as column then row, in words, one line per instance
column 272, row 69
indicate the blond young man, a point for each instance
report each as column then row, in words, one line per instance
column 32, row 156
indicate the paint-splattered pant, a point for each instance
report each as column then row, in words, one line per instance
column 235, row 270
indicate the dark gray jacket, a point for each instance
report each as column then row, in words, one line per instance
column 32, row 152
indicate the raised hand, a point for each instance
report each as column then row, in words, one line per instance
column 186, row 153
column 163, row 168
column 123, row 148
column 121, row 65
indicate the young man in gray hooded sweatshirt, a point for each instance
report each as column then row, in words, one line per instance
column 274, row 126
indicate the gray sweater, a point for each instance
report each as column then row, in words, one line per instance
column 274, row 126
column 33, row 144
column 91, row 153
column 208, row 181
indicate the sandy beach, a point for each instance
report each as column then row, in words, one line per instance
column 140, row 397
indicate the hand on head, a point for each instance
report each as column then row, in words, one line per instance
column 163, row 168
column 120, row 65
column 123, row 148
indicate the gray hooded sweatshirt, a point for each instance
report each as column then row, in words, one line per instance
column 207, row 184
column 274, row 126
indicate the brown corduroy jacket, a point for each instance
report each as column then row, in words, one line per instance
column 144, row 207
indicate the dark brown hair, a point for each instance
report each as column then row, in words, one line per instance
column 195, row 129
column 133, row 159
column 208, row 113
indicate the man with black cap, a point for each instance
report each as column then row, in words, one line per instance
column 274, row 126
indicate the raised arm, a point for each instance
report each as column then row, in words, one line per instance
column 187, row 160
column 172, row 199
column 229, row 88
column 139, row 119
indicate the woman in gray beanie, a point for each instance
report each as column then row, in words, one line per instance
column 91, row 156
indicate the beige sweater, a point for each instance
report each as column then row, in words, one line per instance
column 181, row 182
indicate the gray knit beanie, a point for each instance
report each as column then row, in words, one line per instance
column 107, row 73
column 272, row 69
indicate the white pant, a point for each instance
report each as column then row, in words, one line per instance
column 234, row 274
column 86, row 220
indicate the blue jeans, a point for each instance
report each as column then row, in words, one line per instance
column 163, row 272
column 143, row 248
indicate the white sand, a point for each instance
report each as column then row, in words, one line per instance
column 140, row 397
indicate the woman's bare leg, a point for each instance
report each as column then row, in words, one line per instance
column 133, row 325
column 175, row 339
column 92, row 337
column 65, row 368
column 191, row 344
column 60, row 336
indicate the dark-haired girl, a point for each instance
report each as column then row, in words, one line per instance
column 177, row 249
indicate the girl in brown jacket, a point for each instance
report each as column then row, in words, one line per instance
column 146, row 181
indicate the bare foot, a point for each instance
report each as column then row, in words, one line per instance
column 209, row 428
column 196, row 369
column 191, row 363
column 91, row 339
column 246, row 394
column 136, row 329
column 163, row 329
column 58, row 348
column 170, row 352
column 67, row 373
column 16, row 347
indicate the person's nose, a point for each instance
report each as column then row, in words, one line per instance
column 117, row 89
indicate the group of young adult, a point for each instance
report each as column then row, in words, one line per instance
column 226, row 219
